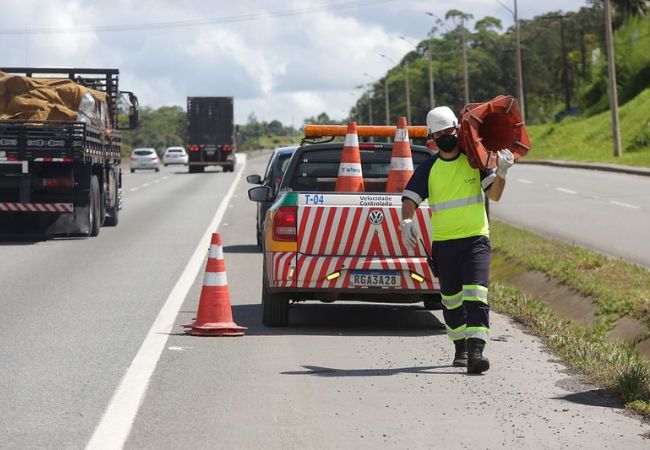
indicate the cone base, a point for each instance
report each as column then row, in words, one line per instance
column 215, row 329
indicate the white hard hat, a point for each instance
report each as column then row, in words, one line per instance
column 441, row 118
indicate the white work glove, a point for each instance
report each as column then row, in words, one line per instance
column 505, row 161
column 409, row 233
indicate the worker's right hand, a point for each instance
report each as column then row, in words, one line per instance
column 409, row 233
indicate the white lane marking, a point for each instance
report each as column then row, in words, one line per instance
column 626, row 205
column 157, row 180
column 115, row 425
column 566, row 191
column 521, row 180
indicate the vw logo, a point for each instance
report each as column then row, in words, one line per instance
column 376, row 217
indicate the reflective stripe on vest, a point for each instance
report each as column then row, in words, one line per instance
column 456, row 203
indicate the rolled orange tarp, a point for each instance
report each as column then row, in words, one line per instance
column 488, row 127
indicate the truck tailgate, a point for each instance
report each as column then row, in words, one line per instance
column 356, row 225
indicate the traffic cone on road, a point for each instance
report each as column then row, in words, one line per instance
column 350, row 177
column 214, row 317
column 401, row 160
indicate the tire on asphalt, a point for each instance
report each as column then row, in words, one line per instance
column 94, row 207
column 275, row 307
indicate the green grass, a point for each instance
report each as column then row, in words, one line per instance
column 590, row 139
column 618, row 289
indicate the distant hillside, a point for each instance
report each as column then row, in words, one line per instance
column 590, row 139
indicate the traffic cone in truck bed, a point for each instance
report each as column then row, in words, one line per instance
column 401, row 160
column 214, row 317
column 350, row 177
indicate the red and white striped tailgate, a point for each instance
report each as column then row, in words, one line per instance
column 345, row 231
column 36, row 207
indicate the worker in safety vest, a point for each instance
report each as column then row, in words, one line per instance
column 460, row 247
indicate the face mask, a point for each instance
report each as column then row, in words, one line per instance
column 447, row 142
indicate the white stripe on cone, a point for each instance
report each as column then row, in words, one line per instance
column 215, row 279
column 397, row 163
column 351, row 140
column 216, row 251
column 401, row 135
column 349, row 169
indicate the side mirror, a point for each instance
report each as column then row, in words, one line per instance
column 254, row 179
column 134, row 117
column 260, row 194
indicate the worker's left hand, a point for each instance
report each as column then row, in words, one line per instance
column 409, row 233
column 505, row 161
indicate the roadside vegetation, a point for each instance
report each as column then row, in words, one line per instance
column 617, row 288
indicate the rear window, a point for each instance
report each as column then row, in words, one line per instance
column 143, row 152
column 175, row 150
column 317, row 170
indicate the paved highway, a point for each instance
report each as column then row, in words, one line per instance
column 94, row 355
column 604, row 211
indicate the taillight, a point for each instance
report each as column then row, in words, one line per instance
column 133, row 158
column 285, row 224
column 227, row 148
column 194, row 148
column 58, row 182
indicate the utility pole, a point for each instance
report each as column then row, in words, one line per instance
column 432, row 98
column 520, row 75
column 565, row 72
column 386, row 97
column 465, row 75
column 611, row 70
column 408, row 90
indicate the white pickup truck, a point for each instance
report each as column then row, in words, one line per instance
column 331, row 246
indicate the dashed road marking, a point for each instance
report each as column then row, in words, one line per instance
column 566, row 191
column 521, row 180
column 626, row 205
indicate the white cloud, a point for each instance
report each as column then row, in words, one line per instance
column 286, row 68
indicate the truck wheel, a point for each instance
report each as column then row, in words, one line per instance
column 94, row 207
column 275, row 308
column 113, row 212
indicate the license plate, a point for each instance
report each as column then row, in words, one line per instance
column 375, row 278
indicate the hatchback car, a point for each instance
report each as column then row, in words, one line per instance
column 144, row 158
column 275, row 169
column 175, row 155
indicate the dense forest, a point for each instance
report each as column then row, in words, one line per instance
column 563, row 64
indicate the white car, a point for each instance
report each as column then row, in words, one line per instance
column 175, row 155
column 144, row 158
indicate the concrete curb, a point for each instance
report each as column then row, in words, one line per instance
column 589, row 166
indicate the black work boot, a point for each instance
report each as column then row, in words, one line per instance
column 476, row 362
column 460, row 357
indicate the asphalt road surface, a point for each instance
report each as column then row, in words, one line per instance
column 604, row 211
column 94, row 355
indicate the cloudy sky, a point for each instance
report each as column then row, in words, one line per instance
column 284, row 60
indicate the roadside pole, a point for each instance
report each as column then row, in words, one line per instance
column 611, row 70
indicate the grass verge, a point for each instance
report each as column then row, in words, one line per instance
column 614, row 285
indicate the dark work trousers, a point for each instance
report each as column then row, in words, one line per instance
column 463, row 267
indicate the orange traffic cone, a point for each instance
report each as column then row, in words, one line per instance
column 401, row 160
column 214, row 317
column 350, row 178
